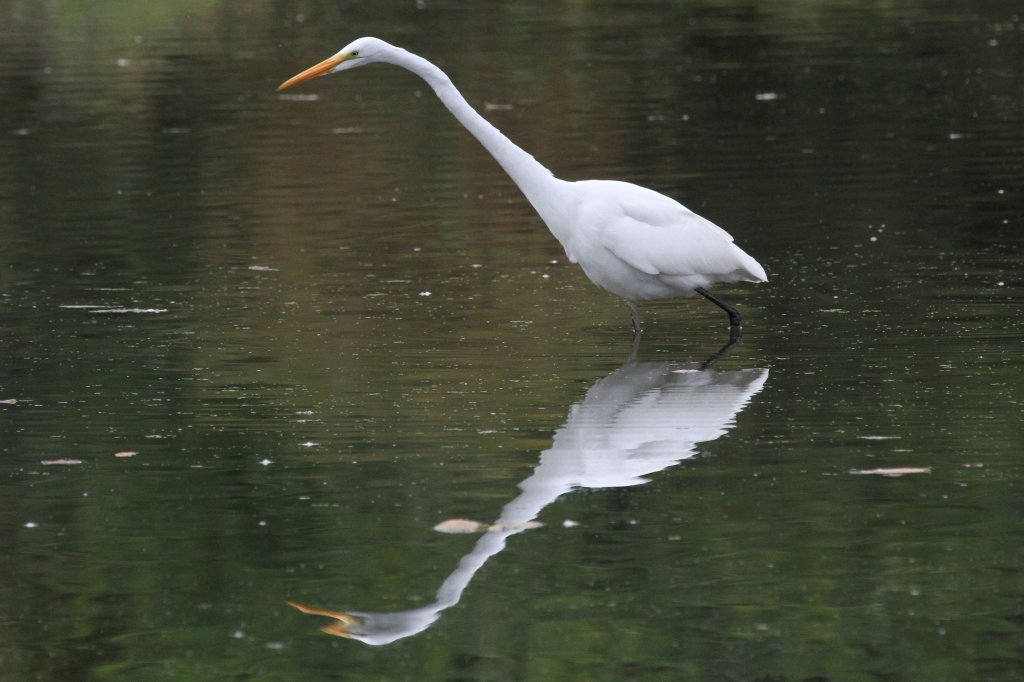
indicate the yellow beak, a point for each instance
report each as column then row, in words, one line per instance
column 320, row 69
column 339, row 628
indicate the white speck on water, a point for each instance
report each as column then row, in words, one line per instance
column 262, row 268
column 425, row 293
column 126, row 311
column 31, row 524
column 766, row 96
column 310, row 444
column 266, row 462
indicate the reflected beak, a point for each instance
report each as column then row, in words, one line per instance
column 339, row 628
column 321, row 69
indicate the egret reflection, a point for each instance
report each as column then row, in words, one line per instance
column 637, row 421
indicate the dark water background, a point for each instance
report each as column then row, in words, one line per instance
column 326, row 321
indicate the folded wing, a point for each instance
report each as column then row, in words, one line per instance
column 659, row 236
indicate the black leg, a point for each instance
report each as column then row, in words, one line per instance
column 734, row 316
column 634, row 314
column 735, row 338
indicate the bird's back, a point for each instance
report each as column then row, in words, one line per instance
column 643, row 245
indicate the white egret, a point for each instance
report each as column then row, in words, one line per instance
column 630, row 240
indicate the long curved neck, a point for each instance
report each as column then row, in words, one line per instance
column 529, row 175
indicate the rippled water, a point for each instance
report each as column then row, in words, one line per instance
column 256, row 346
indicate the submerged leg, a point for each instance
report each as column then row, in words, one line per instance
column 734, row 316
column 635, row 315
column 735, row 338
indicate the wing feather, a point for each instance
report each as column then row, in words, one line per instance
column 659, row 236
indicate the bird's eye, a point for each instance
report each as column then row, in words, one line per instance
column 354, row 53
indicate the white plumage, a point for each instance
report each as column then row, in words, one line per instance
column 630, row 240
column 641, row 419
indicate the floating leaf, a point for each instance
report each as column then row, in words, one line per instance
column 125, row 453
column 894, row 471
column 460, row 526
column 463, row 526
column 9, row 401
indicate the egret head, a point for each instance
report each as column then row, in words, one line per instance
column 357, row 53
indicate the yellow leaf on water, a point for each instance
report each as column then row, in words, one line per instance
column 460, row 526
column 893, row 471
